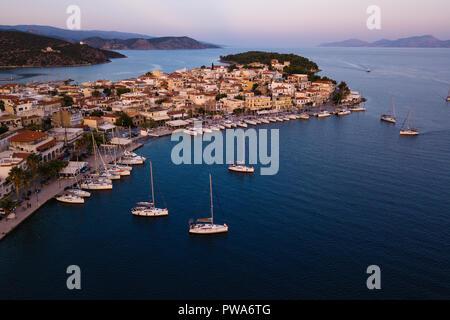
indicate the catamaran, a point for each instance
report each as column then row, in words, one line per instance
column 207, row 226
column 390, row 117
column 409, row 131
column 148, row 209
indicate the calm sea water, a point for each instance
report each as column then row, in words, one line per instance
column 350, row 193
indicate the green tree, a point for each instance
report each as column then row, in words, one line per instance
column 33, row 162
column 2, row 105
column 107, row 91
column 3, row 129
column 97, row 113
column 96, row 93
column 67, row 100
column 124, row 120
column 220, row 96
column 120, row 91
column 7, row 205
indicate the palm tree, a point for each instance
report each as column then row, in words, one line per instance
column 27, row 179
column 16, row 177
column 33, row 162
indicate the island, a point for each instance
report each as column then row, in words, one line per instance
column 21, row 49
column 161, row 43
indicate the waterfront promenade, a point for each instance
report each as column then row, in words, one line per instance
column 47, row 193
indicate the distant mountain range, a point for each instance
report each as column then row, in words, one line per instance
column 163, row 43
column 113, row 39
column 21, row 49
column 72, row 35
column 426, row 41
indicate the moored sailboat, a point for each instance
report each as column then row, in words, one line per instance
column 148, row 209
column 390, row 116
column 70, row 198
column 206, row 225
column 409, row 131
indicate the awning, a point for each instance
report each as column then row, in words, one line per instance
column 177, row 123
column 161, row 118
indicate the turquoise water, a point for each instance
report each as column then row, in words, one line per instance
column 350, row 193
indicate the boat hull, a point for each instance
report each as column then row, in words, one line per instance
column 388, row 119
column 409, row 133
column 208, row 229
column 72, row 200
column 96, row 186
column 150, row 212
column 241, row 169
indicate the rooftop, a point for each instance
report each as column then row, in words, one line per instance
column 28, row 136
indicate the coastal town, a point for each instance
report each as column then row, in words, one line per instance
column 46, row 127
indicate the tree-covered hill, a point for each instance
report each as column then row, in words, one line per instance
column 297, row 62
column 20, row 49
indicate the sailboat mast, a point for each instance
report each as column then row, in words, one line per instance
column 409, row 117
column 210, row 188
column 151, row 178
column 95, row 152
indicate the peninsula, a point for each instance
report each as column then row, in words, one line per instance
column 20, row 49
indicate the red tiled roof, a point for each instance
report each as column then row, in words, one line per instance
column 28, row 136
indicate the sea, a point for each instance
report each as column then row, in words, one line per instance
column 350, row 193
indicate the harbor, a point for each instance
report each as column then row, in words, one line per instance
column 48, row 192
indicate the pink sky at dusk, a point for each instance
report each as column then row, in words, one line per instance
column 268, row 23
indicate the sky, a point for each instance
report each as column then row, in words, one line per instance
column 245, row 23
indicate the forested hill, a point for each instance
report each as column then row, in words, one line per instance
column 20, row 49
column 298, row 64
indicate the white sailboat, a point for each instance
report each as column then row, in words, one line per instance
column 207, row 226
column 79, row 193
column 240, row 166
column 448, row 95
column 390, row 116
column 409, row 131
column 131, row 158
column 70, row 198
column 96, row 181
column 148, row 209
